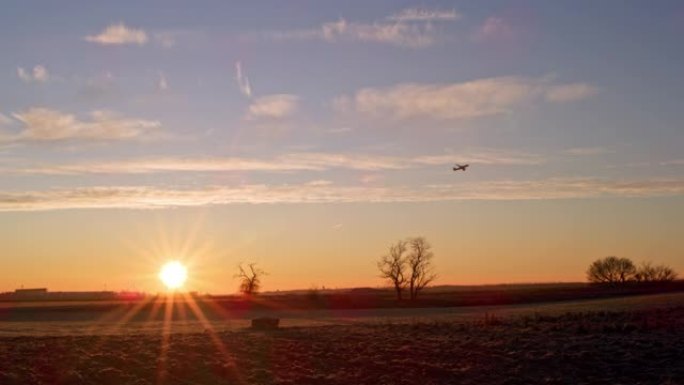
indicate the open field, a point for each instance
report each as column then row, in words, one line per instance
column 190, row 314
column 632, row 340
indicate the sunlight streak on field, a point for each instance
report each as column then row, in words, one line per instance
column 229, row 361
column 165, row 340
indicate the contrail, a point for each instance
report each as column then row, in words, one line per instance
column 242, row 80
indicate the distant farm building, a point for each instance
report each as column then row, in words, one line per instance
column 31, row 293
column 42, row 294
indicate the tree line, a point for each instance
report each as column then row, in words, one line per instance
column 614, row 270
column 407, row 266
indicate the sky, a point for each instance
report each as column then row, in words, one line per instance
column 307, row 136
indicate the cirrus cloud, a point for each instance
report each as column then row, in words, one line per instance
column 149, row 197
column 424, row 14
column 303, row 161
column 411, row 27
column 471, row 99
column 394, row 33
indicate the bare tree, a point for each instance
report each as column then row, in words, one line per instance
column 649, row 273
column 419, row 262
column 645, row 272
column 611, row 270
column 393, row 265
column 250, row 281
column 664, row 274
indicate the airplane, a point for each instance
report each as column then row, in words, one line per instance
column 458, row 167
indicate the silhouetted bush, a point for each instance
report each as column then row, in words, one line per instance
column 649, row 273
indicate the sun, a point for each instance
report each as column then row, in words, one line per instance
column 173, row 274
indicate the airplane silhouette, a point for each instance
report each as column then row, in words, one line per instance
column 458, row 167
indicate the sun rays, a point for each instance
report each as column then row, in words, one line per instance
column 178, row 259
column 182, row 253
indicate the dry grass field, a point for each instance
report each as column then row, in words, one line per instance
column 637, row 340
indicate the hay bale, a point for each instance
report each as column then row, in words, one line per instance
column 265, row 323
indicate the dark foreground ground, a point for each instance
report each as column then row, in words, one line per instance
column 598, row 347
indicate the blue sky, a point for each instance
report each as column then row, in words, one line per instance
column 167, row 104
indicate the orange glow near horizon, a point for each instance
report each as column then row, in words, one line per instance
column 300, row 247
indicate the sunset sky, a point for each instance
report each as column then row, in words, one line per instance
column 307, row 136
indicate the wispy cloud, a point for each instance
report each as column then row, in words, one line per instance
column 273, row 106
column 146, row 197
column 242, row 80
column 305, row 161
column 42, row 124
column 100, row 86
column 340, row 130
column 495, row 28
column 39, row 74
column 162, row 83
column 674, row 162
column 119, row 34
column 165, row 39
column 570, row 92
column 412, row 27
column 394, row 33
column 483, row 156
column 4, row 119
column 472, row 99
column 588, row 151
column 162, row 165
column 424, row 14
column 350, row 161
